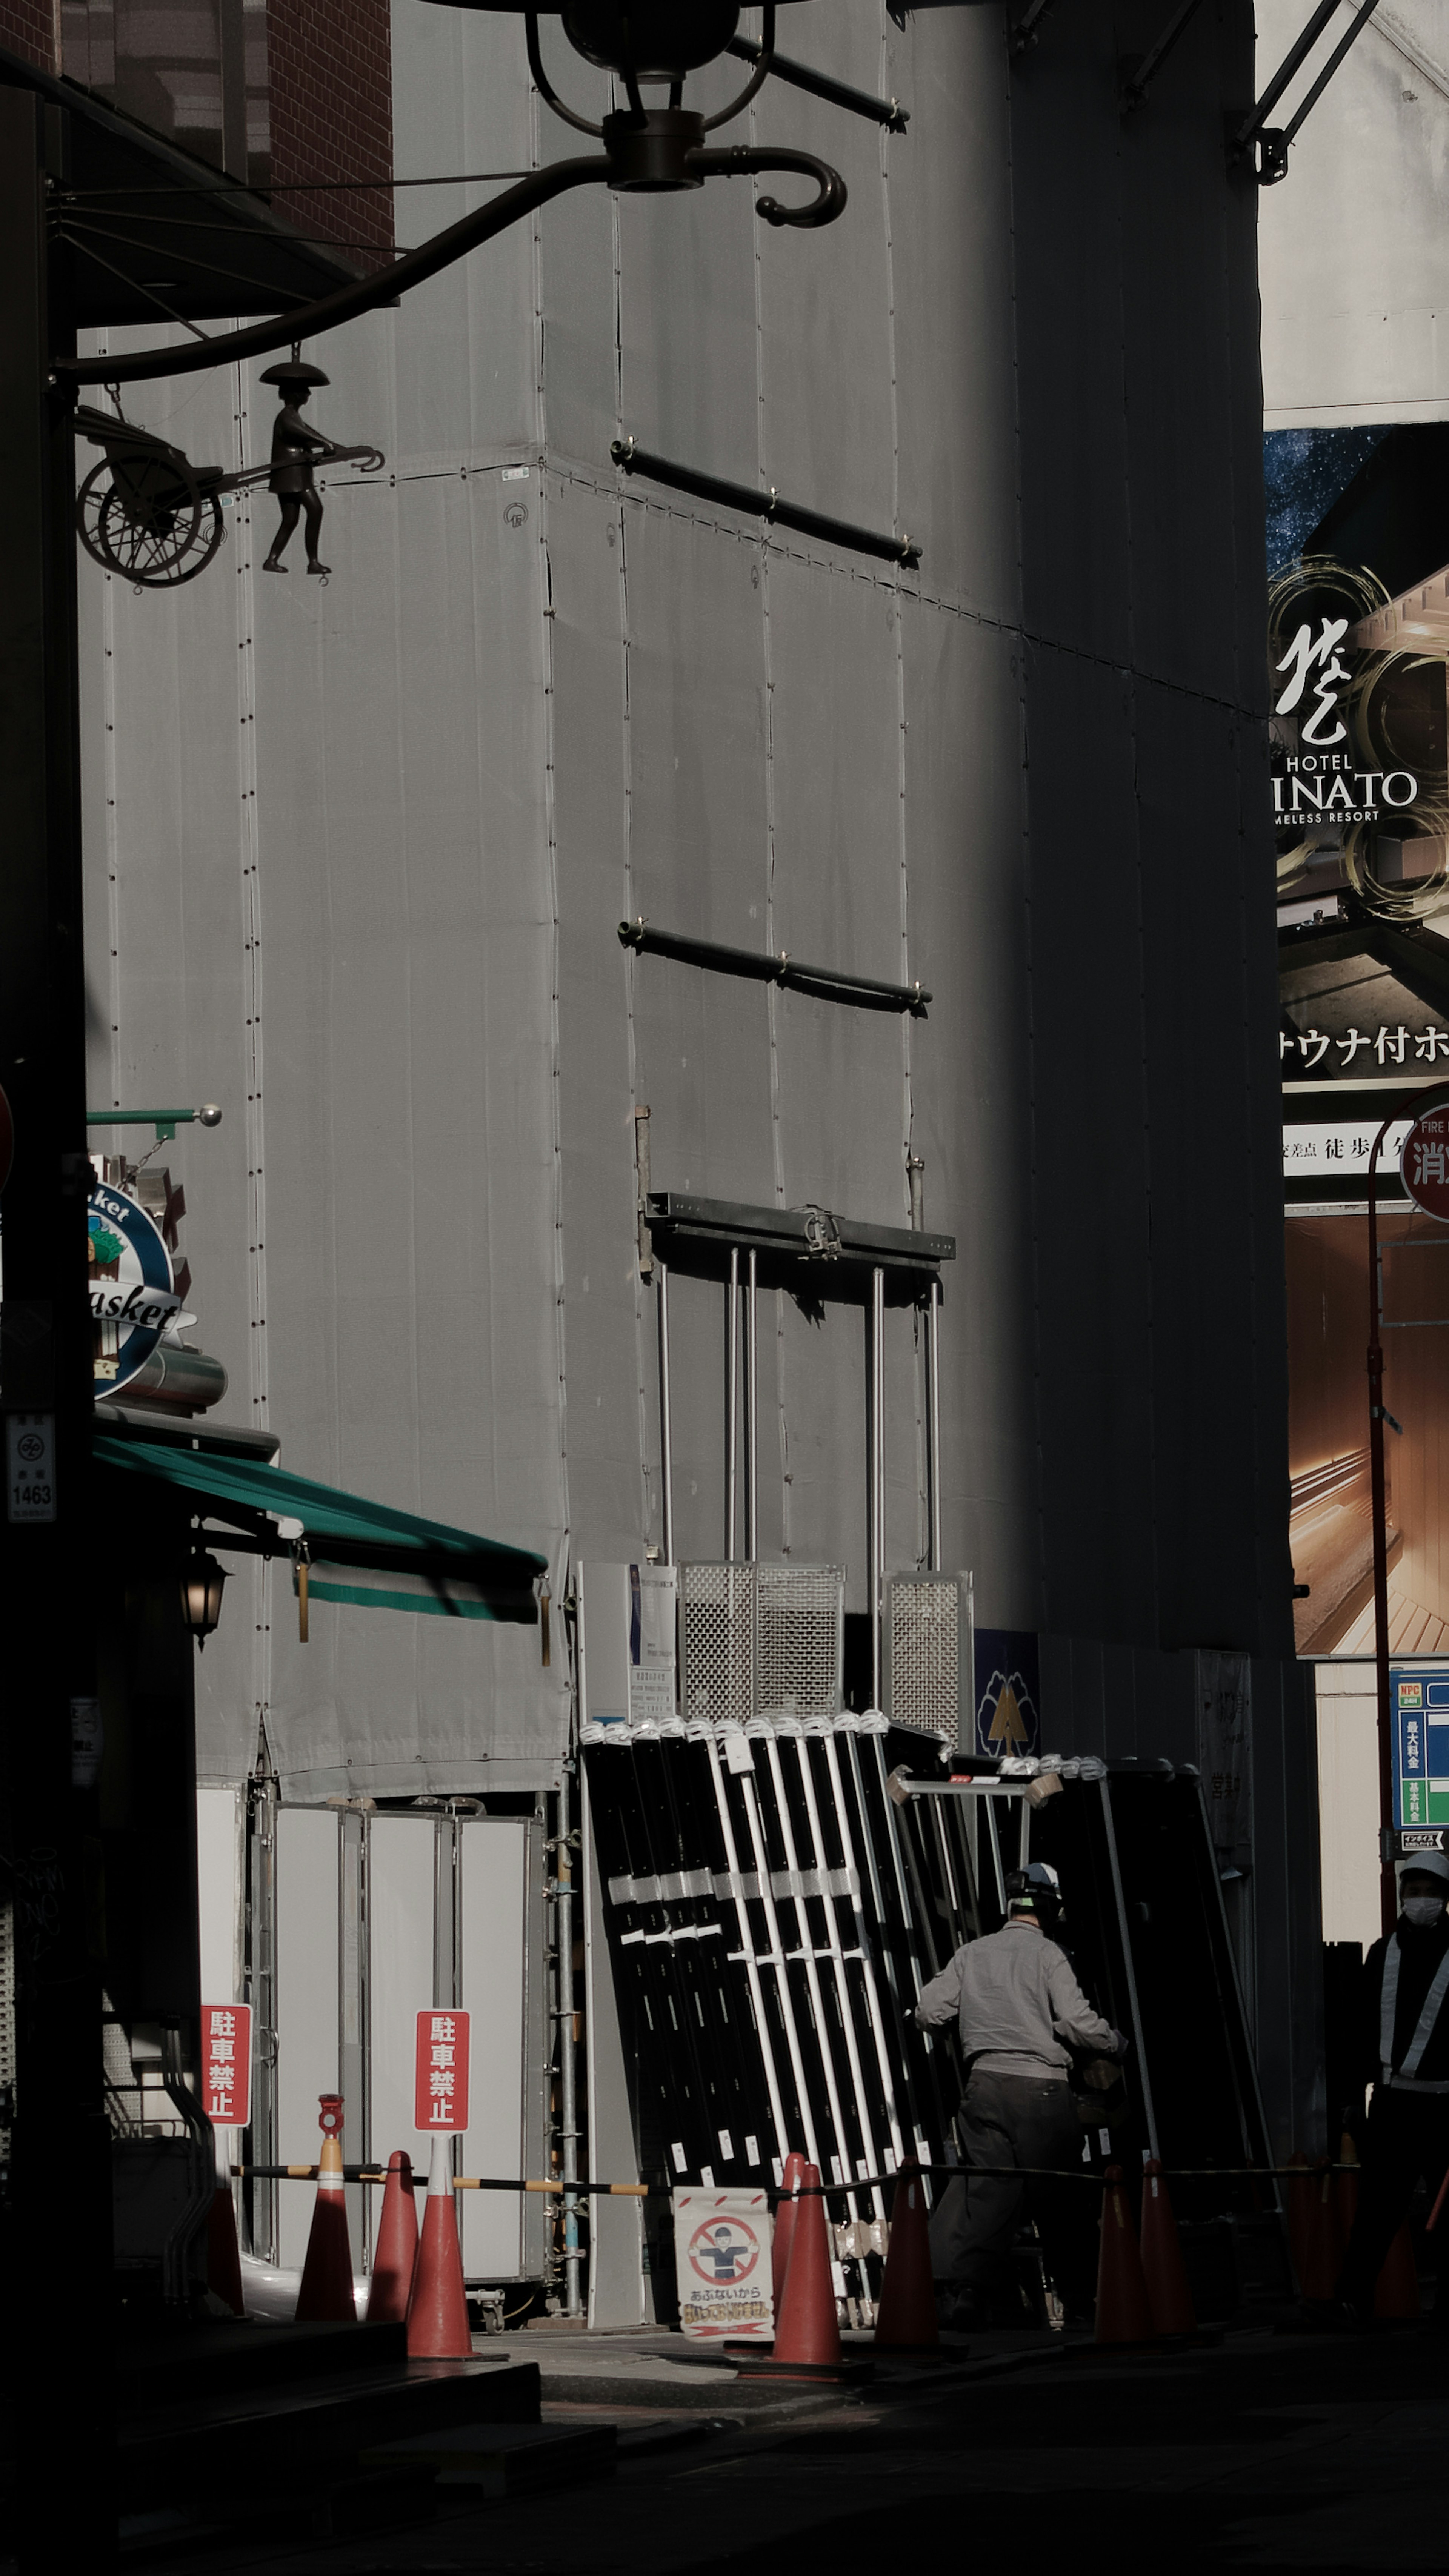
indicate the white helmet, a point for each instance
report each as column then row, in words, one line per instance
column 1434, row 1864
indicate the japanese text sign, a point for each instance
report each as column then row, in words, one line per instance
column 440, row 2099
column 1425, row 1164
column 722, row 2259
column 1421, row 1745
column 226, row 2064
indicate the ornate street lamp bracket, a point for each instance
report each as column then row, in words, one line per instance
column 658, row 150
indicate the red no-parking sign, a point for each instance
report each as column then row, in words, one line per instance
column 226, row 2064
column 1424, row 1164
column 440, row 2095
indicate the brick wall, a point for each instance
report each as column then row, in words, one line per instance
column 330, row 67
column 30, row 28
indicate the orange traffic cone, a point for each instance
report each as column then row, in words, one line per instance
column 907, row 2311
column 1396, row 2291
column 806, row 2328
column 1124, row 2313
column 1345, row 2189
column 1163, row 2270
column 326, row 2295
column 438, row 2328
column 785, row 2216
column 1323, row 2250
column 1298, row 2201
column 223, row 2254
column 396, row 2252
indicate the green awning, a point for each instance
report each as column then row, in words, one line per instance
column 356, row 1551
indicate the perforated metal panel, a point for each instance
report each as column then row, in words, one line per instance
column 928, row 1653
column 716, row 1621
column 799, row 1640
column 761, row 1640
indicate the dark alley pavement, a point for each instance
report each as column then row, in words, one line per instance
column 1265, row 2449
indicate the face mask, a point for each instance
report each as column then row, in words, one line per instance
column 1423, row 1910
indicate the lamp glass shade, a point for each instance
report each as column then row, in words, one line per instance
column 201, row 1589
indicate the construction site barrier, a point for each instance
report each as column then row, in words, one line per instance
column 817, row 2190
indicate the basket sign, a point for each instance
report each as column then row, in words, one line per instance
column 132, row 1292
column 722, row 2259
column 1424, row 1164
column 226, row 2064
column 440, row 2098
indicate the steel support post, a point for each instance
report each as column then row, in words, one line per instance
column 568, row 2102
column 731, row 1398
column 59, row 2274
column 666, row 1439
column 933, row 1427
column 752, row 1459
column 875, row 1473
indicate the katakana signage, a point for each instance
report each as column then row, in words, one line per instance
column 1381, row 1047
column 226, row 2064
column 440, row 2097
column 132, row 1288
column 1424, row 1163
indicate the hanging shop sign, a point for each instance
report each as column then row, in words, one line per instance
column 226, row 2064
column 722, row 2262
column 440, row 2091
column 132, row 1288
column 1424, row 1164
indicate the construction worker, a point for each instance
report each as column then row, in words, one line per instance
column 1024, row 2021
column 1405, row 2055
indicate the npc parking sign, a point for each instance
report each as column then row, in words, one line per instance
column 1420, row 1702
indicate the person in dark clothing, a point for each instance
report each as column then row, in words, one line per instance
column 1404, row 2036
column 1023, row 2022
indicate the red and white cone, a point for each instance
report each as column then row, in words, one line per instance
column 787, row 2210
column 1396, row 2291
column 1124, row 2314
column 806, row 2328
column 438, row 2308
column 1323, row 2246
column 1163, row 2269
column 395, row 2255
column 223, row 2254
column 907, row 2311
column 326, row 2296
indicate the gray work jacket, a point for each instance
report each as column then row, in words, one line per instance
column 1019, row 2009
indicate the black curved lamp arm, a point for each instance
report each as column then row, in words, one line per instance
column 739, row 161
column 364, row 296
column 544, row 85
column 763, row 70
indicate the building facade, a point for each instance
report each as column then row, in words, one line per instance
column 359, row 850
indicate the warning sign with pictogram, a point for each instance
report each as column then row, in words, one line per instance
column 722, row 2259
column 441, row 2090
column 1008, row 1691
column 226, row 2064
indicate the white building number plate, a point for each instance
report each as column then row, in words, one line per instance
column 30, row 1466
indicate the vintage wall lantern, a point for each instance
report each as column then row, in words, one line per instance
column 202, row 1582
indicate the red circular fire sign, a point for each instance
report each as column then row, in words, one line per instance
column 1424, row 1164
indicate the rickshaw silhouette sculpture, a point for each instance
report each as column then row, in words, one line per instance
column 147, row 514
